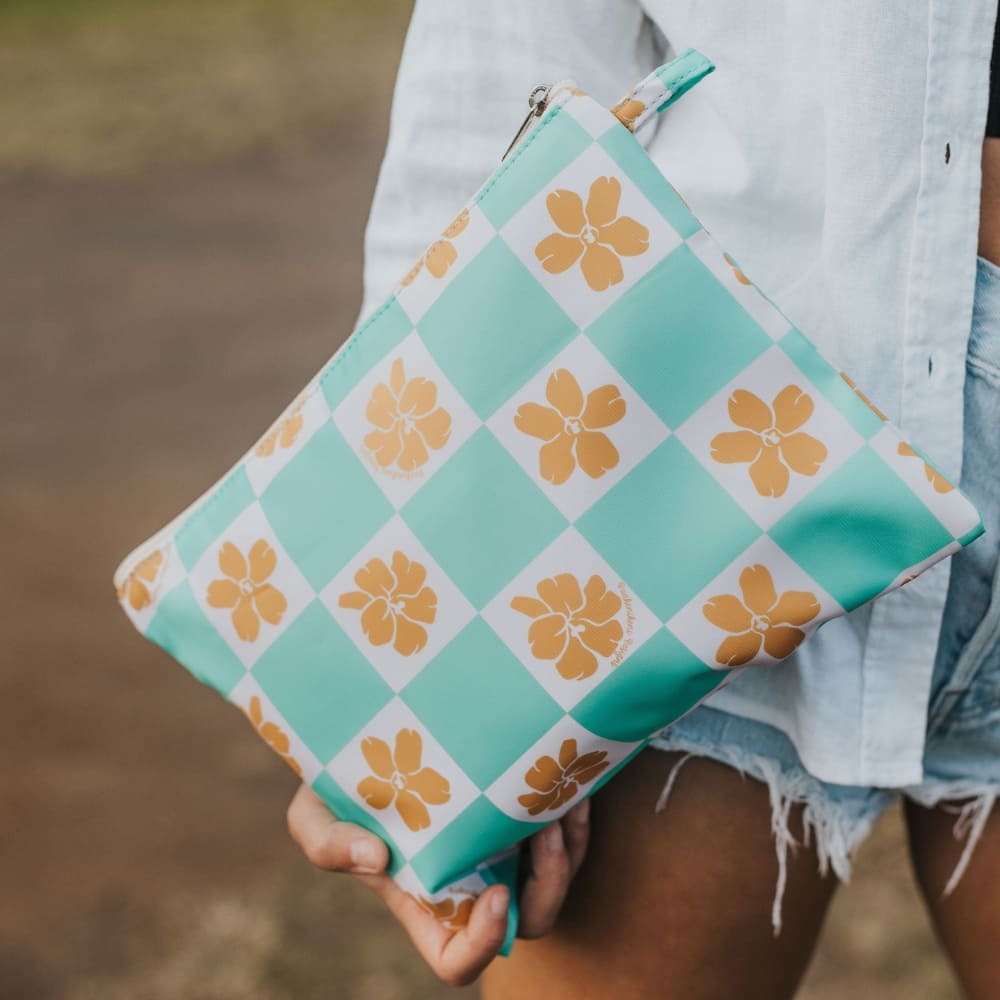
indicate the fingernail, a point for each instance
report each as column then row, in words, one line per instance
column 498, row 904
column 364, row 856
column 554, row 838
column 581, row 811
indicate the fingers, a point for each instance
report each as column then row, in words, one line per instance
column 456, row 957
column 576, row 830
column 556, row 854
column 329, row 843
column 545, row 887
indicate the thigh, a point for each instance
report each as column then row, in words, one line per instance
column 675, row 903
column 968, row 918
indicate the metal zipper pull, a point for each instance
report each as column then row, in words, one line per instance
column 538, row 100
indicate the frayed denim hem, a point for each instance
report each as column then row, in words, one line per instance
column 837, row 828
column 971, row 801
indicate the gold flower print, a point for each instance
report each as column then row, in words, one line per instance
column 394, row 603
column 940, row 484
column 283, row 433
column 571, row 627
column 454, row 914
column 556, row 782
column 770, row 439
column 759, row 617
column 407, row 420
column 627, row 110
column 593, row 234
column 398, row 777
column 441, row 254
column 740, row 276
column 244, row 588
column 572, row 427
column 138, row 586
column 871, row 406
column 271, row 734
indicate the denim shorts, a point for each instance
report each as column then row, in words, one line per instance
column 962, row 748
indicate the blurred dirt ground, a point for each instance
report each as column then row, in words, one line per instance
column 183, row 190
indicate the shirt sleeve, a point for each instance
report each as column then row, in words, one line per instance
column 460, row 95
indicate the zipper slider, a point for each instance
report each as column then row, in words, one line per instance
column 538, row 100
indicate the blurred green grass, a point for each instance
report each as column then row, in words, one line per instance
column 98, row 87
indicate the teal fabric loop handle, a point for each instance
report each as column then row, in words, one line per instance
column 681, row 74
column 662, row 88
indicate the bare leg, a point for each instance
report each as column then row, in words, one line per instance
column 968, row 919
column 677, row 903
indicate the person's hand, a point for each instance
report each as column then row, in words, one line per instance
column 457, row 957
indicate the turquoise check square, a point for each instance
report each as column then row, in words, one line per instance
column 678, row 336
column 184, row 631
column 481, row 517
column 467, row 696
column 517, row 326
column 668, row 505
column 331, row 693
column 322, row 518
column 859, row 530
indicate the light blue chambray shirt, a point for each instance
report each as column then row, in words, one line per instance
column 836, row 153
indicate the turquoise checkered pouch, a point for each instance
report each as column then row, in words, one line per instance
column 575, row 470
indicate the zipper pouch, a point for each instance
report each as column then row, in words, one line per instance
column 572, row 473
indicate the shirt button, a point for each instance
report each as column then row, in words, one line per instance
column 935, row 365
